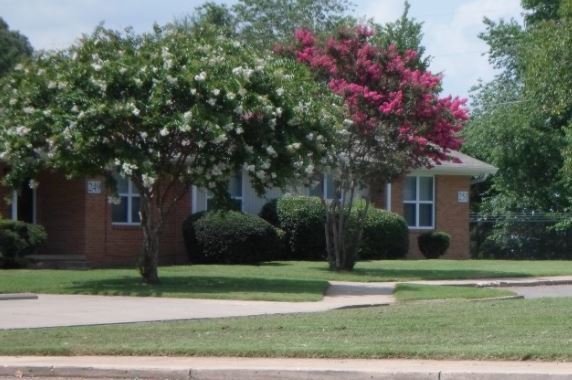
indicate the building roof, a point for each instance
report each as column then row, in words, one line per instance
column 467, row 166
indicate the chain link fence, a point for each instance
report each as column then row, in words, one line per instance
column 525, row 236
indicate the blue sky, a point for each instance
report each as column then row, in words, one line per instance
column 450, row 26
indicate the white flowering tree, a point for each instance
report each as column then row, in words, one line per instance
column 164, row 109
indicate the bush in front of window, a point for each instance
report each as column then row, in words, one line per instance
column 302, row 219
column 18, row 239
column 385, row 236
column 433, row 244
column 229, row 237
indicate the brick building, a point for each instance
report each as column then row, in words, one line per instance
column 81, row 223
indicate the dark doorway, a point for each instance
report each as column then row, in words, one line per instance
column 26, row 204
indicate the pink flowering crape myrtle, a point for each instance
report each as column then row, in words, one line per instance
column 395, row 121
column 384, row 89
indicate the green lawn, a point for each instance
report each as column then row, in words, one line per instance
column 281, row 281
column 512, row 330
column 414, row 292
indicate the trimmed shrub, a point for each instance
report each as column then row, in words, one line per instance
column 385, row 236
column 18, row 239
column 229, row 237
column 302, row 219
column 433, row 244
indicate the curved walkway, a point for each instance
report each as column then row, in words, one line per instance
column 50, row 310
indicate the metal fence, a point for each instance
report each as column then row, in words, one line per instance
column 530, row 235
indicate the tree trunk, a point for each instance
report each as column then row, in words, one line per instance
column 149, row 260
column 343, row 232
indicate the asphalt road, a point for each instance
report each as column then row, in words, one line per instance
column 542, row 291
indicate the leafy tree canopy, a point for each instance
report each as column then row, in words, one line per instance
column 13, row 47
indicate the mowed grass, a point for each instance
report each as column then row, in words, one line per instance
column 510, row 330
column 278, row 281
column 414, row 292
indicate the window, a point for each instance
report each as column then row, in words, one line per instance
column 325, row 188
column 127, row 210
column 419, row 202
column 234, row 190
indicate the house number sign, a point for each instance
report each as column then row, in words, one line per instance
column 463, row 197
column 94, row 187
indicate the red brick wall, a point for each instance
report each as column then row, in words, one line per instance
column 451, row 216
column 60, row 208
column 112, row 244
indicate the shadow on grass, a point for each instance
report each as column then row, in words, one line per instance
column 187, row 286
column 426, row 274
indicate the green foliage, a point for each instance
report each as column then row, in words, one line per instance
column 18, row 239
column 13, row 48
column 406, row 34
column 385, row 236
column 302, row 219
column 229, row 237
column 521, row 120
column 433, row 244
column 263, row 23
column 522, row 239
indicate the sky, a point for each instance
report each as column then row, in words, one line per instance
column 451, row 27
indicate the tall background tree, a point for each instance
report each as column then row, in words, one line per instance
column 521, row 120
column 13, row 47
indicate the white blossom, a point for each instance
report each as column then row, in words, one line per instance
column 216, row 92
column 135, row 111
column 270, row 150
column 230, row 95
column 280, row 91
column 164, row 132
column 239, row 131
column 202, row 76
column 211, row 101
column 148, row 180
column 172, row 80
column 28, row 110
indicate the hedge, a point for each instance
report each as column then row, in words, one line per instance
column 385, row 234
column 229, row 237
column 18, row 239
column 302, row 219
column 433, row 244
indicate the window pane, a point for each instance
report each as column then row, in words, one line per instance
column 122, row 184
column 426, row 188
column 330, row 190
column 237, row 204
column 235, row 185
column 133, row 188
column 210, row 203
column 135, row 207
column 119, row 211
column 410, row 191
column 409, row 214
column 425, row 215
column 318, row 190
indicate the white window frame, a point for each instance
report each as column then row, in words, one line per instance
column 14, row 206
column 130, row 194
column 324, row 178
column 233, row 197
column 417, row 202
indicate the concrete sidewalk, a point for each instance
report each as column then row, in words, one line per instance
column 51, row 310
column 261, row 369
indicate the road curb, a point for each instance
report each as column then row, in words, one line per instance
column 47, row 372
column 17, row 296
